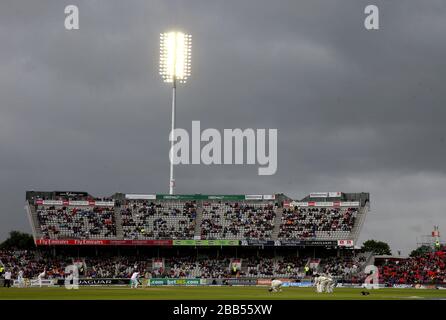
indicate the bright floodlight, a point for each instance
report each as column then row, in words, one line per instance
column 175, row 54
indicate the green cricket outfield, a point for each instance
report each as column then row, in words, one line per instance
column 213, row 293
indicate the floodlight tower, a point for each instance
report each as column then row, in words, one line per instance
column 175, row 52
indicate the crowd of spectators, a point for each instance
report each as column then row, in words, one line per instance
column 31, row 263
column 260, row 267
column 303, row 223
column 34, row 262
column 116, row 267
column 237, row 220
column 287, row 266
column 291, row 266
column 346, row 265
column 76, row 222
column 190, row 267
column 176, row 219
column 158, row 220
column 429, row 268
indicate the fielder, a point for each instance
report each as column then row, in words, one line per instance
column 276, row 286
column 324, row 283
column 329, row 284
column 317, row 283
column 134, row 280
column 20, row 279
column 41, row 276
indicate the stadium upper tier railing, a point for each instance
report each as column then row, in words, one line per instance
column 77, row 218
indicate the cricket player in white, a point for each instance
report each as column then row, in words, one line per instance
column 134, row 280
column 331, row 283
column 276, row 286
column 20, row 280
column 41, row 276
column 317, row 283
column 324, row 283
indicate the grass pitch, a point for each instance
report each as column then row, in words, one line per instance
column 213, row 293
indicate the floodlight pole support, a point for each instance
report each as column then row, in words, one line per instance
column 172, row 178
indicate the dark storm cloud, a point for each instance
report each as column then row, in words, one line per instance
column 355, row 110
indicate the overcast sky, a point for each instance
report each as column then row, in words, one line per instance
column 356, row 110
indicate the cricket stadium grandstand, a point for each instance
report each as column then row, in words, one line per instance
column 213, row 239
column 207, row 240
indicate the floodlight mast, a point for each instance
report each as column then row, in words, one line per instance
column 174, row 100
column 174, row 66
